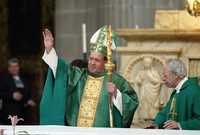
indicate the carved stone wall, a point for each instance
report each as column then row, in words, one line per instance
column 171, row 38
column 175, row 19
column 159, row 44
column 70, row 14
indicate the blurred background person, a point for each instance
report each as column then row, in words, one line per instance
column 14, row 92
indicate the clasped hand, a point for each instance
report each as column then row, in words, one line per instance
column 112, row 89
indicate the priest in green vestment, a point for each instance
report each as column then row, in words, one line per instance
column 76, row 97
column 182, row 111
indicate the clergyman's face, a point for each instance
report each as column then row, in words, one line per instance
column 96, row 63
column 169, row 78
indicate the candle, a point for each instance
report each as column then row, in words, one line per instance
column 84, row 38
column 136, row 26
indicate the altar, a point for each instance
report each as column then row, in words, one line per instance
column 65, row 130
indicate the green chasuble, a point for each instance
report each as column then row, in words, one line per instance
column 187, row 106
column 62, row 97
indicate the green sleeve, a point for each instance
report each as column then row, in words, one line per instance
column 161, row 117
column 55, row 93
column 194, row 122
column 52, row 104
column 129, row 100
column 117, row 118
column 74, row 74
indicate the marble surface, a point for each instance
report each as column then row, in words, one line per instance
column 65, row 130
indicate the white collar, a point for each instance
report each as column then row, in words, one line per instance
column 180, row 84
column 16, row 77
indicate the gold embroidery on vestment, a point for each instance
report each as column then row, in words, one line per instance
column 89, row 101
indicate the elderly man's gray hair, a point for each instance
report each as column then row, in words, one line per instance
column 177, row 67
column 13, row 61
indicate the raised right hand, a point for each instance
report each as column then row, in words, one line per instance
column 48, row 40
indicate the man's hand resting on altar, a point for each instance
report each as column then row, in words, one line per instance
column 170, row 124
column 48, row 40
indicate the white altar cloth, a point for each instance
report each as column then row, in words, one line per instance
column 65, row 130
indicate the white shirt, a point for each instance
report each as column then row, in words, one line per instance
column 180, row 84
column 18, row 82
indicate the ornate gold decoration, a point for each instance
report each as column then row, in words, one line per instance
column 193, row 7
column 109, row 67
column 89, row 101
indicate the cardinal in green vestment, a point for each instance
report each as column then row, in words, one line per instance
column 182, row 111
column 76, row 97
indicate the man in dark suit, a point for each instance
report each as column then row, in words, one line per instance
column 14, row 92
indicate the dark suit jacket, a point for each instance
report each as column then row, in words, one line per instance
column 7, row 88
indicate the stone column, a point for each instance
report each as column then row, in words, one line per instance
column 70, row 14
